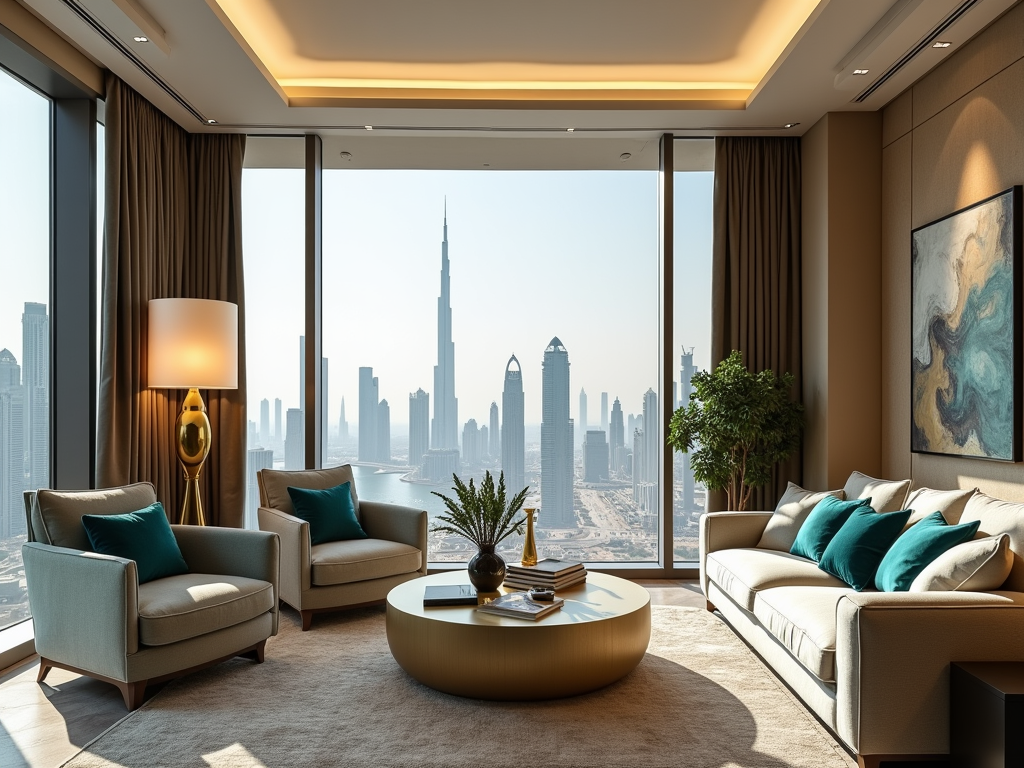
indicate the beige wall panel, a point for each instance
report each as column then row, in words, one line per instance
column 814, row 196
column 996, row 478
column 972, row 150
column 854, row 298
column 898, row 117
column 895, row 295
column 998, row 46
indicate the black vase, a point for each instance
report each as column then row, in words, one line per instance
column 486, row 570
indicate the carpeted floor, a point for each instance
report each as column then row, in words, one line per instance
column 335, row 697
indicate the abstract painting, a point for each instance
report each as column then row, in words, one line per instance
column 966, row 337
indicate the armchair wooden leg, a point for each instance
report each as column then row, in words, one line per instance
column 710, row 606
column 257, row 653
column 44, row 669
column 307, row 620
column 133, row 693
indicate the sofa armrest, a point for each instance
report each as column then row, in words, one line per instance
column 85, row 607
column 295, row 555
column 393, row 522
column 728, row 530
column 232, row 552
column 893, row 652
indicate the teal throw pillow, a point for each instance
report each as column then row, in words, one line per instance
column 331, row 513
column 917, row 547
column 823, row 522
column 854, row 553
column 144, row 536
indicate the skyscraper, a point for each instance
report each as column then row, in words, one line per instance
column 556, row 436
column 383, row 432
column 264, row 423
column 484, row 441
column 583, row 413
column 595, row 457
column 419, row 426
column 342, row 424
column 616, row 449
column 256, row 459
column 513, row 428
column 444, row 434
column 686, row 372
column 294, row 441
column 647, row 456
column 494, row 434
column 604, row 412
column 368, row 399
column 471, row 444
column 35, row 379
column 12, row 452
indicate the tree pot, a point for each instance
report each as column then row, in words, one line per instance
column 486, row 570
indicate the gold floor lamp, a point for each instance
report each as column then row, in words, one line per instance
column 193, row 344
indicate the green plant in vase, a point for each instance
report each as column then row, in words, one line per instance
column 486, row 517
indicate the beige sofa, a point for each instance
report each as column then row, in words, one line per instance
column 873, row 666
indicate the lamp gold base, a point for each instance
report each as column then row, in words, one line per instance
column 194, row 437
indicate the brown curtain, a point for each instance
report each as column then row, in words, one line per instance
column 173, row 229
column 756, row 270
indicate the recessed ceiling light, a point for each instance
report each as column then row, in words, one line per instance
column 625, row 156
column 860, row 71
column 570, row 130
column 141, row 39
column 346, row 155
column 368, row 127
column 791, row 125
column 487, row 165
column 941, row 44
column 211, row 121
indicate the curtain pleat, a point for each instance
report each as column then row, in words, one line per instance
column 756, row 271
column 172, row 230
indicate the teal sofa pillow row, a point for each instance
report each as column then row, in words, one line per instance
column 823, row 522
column 917, row 548
column 858, row 548
column 144, row 536
column 330, row 512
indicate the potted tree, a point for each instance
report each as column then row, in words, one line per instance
column 486, row 518
column 737, row 426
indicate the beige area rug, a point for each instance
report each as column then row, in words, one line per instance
column 335, row 697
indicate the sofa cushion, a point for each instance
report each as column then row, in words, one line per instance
column 144, row 536
column 981, row 565
column 57, row 515
column 997, row 517
column 330, row 512
column 885, row 495
column 824, row 522
column 916, row 548
column 855, row 552
column 342, row 562
column 742, row 573
column 193, row 604
column 951, row 504
column 791, row 511
column 274, row 485
column 803, row 619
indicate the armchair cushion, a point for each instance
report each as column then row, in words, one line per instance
column 274, row 484
column 343, row 562
column 57, row 515
column 330, row 512
column 192, row 604
column 143, row 536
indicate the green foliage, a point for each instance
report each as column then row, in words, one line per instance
column 737, row 426
column 481, row 514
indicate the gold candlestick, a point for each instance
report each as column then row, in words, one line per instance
column 529, row 546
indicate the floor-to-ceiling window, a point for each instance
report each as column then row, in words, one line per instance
column 24, row 325
column 273, row 243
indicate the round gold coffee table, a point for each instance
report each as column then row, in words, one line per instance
column 599, row 636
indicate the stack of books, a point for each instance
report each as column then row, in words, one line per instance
column 518, row 605
column 550, row 573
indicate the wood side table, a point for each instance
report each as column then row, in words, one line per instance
column 986, row 714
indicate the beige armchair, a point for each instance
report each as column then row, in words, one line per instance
column 340, row 574
column 92, row 617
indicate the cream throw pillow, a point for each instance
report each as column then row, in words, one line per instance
column 981, row 565
column 793, row 508
column 885, row 495
column 951, row 504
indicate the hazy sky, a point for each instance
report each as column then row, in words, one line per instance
column 24, row 206
column 533, row 255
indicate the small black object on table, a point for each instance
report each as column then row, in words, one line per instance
column 986, row 714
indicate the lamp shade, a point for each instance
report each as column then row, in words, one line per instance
column 193, row 343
